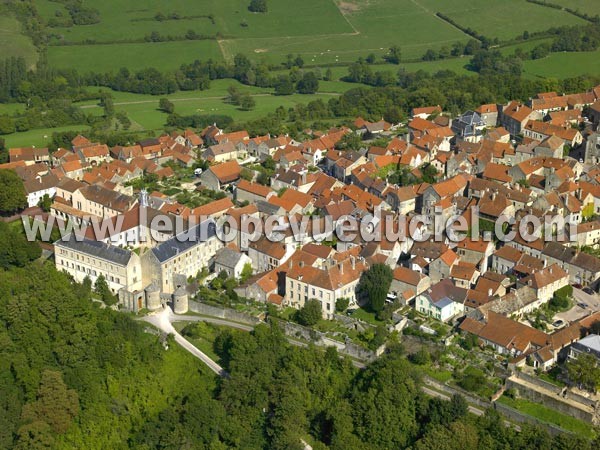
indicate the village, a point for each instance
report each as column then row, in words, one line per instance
column 530, row 304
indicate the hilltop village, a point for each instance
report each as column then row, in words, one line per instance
column 540, row 158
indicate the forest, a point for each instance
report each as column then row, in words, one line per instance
column 73, row 375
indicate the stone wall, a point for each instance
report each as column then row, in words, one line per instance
column 516, row 416
column 222, row 313
column 552, row 398
column 556, row 389
column 348, row 348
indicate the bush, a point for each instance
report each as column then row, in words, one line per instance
column 341, row 304
column 310, row 313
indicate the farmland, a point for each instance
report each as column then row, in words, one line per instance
column 504, row 19
column 111, row 57
column 14, row 43
column 322, row 31
column 585, row 6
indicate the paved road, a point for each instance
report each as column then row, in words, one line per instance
column 577, row 312
column 162, row 320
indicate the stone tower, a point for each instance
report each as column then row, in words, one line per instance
column 180, row 300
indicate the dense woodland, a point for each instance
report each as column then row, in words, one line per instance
column 73, row 375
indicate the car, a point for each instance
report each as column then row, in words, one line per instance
column 589, row 290
column 576, row 286
column 558, row 323
column 349, row 312
column 583, row 305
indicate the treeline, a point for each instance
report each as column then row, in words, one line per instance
column 457, row 93
column 575, row 12
column 79, row 14
column 73, row 375
column 485, row 41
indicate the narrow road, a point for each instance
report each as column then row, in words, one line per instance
column 162, row 320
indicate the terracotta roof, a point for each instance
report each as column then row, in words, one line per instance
column 254, row 188
column 407, row 276
column 505, row 332
column 463, row 271
column 215, row 207
column 227, row 171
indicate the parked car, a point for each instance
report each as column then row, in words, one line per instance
column 589, row 290
column 576, row 286
column 583, row 305
column 558, row 323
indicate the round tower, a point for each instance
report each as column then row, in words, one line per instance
column 180, row 301
column 153, row 297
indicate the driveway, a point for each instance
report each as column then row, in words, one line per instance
column 577, row 312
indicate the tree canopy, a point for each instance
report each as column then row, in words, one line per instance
column 374, row 286
column 12, row 192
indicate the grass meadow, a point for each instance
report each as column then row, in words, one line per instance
column 504, row 19
column 14, row 43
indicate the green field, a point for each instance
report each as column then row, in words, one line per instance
column 376, row 25
column 564, row 65
column 111, row 57
column 586, row 6
column 322, row 31
column 14, row 43
column 505, row 19
column 134, row 19
column 37, row 138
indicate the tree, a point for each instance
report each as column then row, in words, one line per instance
column 374, row 286
column 45, row 203
column 246, row 272
column 393, row 56
column 165, row 105
column 584, row 371
column 259, row 6
column 12, row 192
column 308, row 84
column 55, row 404
column 310, row 313
column 328, row 74
column 341, row 304
column 101, row 288
column 284, row 85
column 247, row 102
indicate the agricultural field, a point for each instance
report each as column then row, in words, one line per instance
column 134, row 19
column 111, row 57
column 14, row 43
column 564, row 65
column 322, row 31
column 504, row 19
column 590, row 7
column 37, row 138
column 376, row 25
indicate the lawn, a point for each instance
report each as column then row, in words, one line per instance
column 504, row 19
column 14, row 43
column 111, row 57
column 549, row 415
column 367, row 316
column 37, row 138
column 204, row 339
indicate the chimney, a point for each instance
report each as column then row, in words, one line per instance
column 341, row 267
column 490, row 292
column 301, row 264
column 353, row 260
